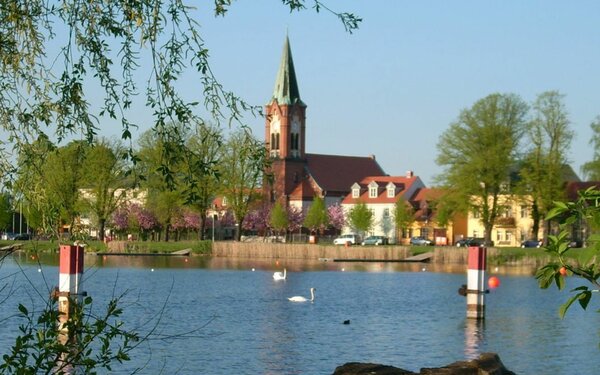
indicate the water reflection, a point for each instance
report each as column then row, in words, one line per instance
column 293, row 265
column 474, row 333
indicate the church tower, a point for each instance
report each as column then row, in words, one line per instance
column 285, row 129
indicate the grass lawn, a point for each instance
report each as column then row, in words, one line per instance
column 197, row 247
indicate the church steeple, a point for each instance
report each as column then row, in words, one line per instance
column 286, row 87
column 285, row 130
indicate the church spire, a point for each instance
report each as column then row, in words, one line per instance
column 286, row 87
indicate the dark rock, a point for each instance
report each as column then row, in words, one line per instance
column 486, row 364
column 355, row 368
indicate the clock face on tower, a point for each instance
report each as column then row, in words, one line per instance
column 275, row 123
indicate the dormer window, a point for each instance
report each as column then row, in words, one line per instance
column 355, row 190
column 391, row 190
column 373, row 190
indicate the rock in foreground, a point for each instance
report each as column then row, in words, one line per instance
column 486, row 364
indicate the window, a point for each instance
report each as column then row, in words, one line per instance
column 372, row 191
column 524, row 212
column 386, row 212
column 509, row 235
column 499, row 236
column 355, row 193
column 476, row 215
column 475, row 233
column 294, row 141
column 391, row 190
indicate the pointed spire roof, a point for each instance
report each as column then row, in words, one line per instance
column 286, row 87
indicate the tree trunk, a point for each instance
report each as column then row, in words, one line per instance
column 102, row 225
column 536, row 217
column 238, row 231
column 488, row 234
column 202, row 227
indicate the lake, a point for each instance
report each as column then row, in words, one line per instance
column 228, row 316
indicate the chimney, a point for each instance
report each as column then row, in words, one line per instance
column 409, row 174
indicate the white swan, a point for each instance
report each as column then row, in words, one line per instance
column 304, row 299
column 279, row 275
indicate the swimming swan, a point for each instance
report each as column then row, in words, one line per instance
column 303, row 299
column 279, row 275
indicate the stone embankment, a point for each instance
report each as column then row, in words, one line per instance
column 302, row 251
column 257, row 250
column 486, row 364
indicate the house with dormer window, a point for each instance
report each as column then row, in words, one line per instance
column 380, row 194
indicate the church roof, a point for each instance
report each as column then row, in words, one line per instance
column 286, row 87
column 335, row 173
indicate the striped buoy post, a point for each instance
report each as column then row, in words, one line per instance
column 68, row 294
column 476, row 282
column 69, row 280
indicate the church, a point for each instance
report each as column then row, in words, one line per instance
column 296, row 176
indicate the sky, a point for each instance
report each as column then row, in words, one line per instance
column 392, row 87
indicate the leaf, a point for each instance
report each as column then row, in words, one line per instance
column 584, row 298
column 23, row 310
column 560, row 281
column 564, row 307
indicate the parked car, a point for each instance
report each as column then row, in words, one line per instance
column 576, row 243
column 471, row 241
column 531, row 243
column 375, row 240
column 420, row 241
column 349, row 238
column 22, row 237
column 8, row 236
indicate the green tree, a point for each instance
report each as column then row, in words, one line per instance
column 104, row 182
column 163, row 190
column 62, row 176
column 201, row 182
column 279, row 218
column 585, row 211
column 42, row 213
column 317, row 217
column 477, row 152
column 360, row 218
column 241, row 172
column 550, row 139
column 5, row 210
column 404, row 215
column 591, row 169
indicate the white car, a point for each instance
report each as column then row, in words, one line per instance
column 350, row 239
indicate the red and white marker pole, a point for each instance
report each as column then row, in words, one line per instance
column 476, row 282
column 69, row 280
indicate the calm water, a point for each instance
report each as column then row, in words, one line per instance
column 232, row 319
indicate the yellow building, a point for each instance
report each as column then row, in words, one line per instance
column 513, row 225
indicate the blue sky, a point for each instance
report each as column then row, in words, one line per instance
column 393, row 87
